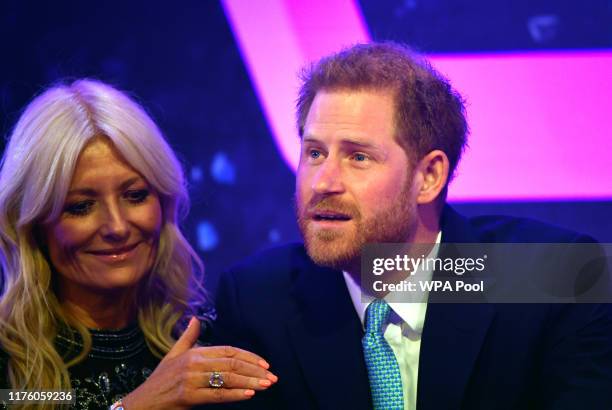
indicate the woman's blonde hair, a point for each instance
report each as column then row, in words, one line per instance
column 35, row 174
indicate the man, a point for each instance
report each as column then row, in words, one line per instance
column 381, row 135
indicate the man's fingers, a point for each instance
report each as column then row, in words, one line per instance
column 187, row 339
column 233, row 352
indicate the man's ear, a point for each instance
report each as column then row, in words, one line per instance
column 433, row 169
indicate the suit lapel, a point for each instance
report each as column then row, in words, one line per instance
column 452, row 336
column 326, row 335
column 451, row 341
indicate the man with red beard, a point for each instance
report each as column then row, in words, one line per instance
column 381, row 135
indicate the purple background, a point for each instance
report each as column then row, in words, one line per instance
column 182, row 61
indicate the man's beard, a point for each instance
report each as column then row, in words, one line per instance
column 341, row 248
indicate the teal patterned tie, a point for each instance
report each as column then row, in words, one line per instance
column 383, row 370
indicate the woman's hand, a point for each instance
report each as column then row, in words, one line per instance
column 181, row 380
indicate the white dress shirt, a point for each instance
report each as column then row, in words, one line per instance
column 403, row 330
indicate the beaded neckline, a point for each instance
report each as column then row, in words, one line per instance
column 115, row 344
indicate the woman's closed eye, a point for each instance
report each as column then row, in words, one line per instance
column 137, row 196
column 79, row 208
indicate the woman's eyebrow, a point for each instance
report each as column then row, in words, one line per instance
column 130, row 181
column 87, row 191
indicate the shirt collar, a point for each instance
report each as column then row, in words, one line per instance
column 413, row 314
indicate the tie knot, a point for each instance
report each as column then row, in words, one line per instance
column 377, row 314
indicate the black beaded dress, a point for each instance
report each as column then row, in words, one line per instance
column 118, row 363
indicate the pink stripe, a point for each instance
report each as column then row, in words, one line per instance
column 324, row 27
column 539, row 120
column 275, row 48
column 539, row 125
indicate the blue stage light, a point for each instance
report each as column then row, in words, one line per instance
column 208, row 239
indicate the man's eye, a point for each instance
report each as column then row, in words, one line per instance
column 137, row 196
column 360, row 157
column 314, row 154
column 79, row 208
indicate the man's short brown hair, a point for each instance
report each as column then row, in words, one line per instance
column 429, row 113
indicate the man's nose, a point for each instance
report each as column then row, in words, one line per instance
column 328, row 178
column 115, row 226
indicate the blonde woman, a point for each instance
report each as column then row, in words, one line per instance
column 98, row 280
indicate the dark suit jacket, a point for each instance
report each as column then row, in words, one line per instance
column 300, row 318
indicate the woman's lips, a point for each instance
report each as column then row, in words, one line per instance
column 115, row 254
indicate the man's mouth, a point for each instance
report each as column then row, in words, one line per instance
column 330, row 216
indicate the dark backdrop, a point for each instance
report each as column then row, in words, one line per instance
column 181, row 62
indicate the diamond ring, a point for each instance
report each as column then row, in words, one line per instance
column 216, row 380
